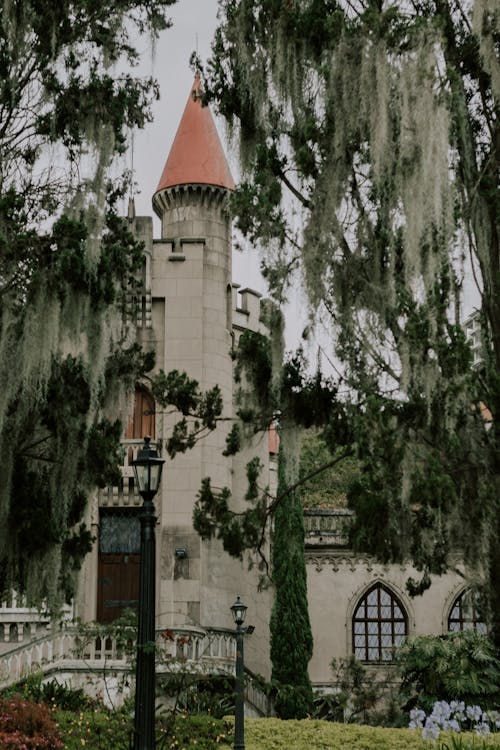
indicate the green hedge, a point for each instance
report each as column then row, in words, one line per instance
column 273, row 734
column 98, row 730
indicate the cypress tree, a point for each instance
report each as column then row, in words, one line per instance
column 291, row 637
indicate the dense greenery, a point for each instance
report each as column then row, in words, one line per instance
column 454, row 667
column 67, row 261
column 291, row 636
column 269, row 387
column 52, row 715
column 369, row 136
column 327, row 489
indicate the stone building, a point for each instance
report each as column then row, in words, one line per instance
column 192, row 314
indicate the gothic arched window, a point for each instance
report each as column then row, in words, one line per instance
column 379, row 625
column 464, row 613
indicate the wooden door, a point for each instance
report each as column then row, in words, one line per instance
column 119, row 563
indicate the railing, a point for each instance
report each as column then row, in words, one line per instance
column 124, row 493
column 74, row 649
column 327, row 527
column 20, row 623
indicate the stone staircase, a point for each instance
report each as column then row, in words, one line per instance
column 101, row 663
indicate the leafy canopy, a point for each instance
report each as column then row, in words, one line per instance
column 369, row 139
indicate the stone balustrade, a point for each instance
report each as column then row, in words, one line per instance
column 124, row 494
column 327, row 528
column 76, row 650
column 214, row 651
column 20, row 623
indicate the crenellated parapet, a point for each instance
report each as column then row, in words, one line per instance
column 248, row 308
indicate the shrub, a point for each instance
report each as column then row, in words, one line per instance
column 27, row 725
column 453, row 667
column 113, row 730
column 191, row 694
column 274, row 734
column 52, row 693
column 203, row 732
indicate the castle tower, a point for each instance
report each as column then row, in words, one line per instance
column 191, row 287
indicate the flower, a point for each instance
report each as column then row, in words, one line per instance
column 474, row 712
column 430, row 732
column 417, row 717
column 482, row 729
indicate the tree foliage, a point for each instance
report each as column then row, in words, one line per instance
column 376, row 123
column 329, row 487
column 270, row 390
column 67, row 261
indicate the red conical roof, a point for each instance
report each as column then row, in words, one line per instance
column 196, row 155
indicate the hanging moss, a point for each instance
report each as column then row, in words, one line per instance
column 369, row 137
column 66, row 263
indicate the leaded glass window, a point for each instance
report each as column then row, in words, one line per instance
column 379, row 625
column 464, row 613
column 120, row 532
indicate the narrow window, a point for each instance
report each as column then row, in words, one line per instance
column 142, row 420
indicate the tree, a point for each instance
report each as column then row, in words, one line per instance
column 460, row 666
column 377, row 122
column 291, row 636
column 67, row 263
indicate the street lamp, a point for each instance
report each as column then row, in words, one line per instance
column 239, row 611
column 147, row 472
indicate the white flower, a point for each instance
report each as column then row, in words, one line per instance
column 430, row 732
column 482, row 729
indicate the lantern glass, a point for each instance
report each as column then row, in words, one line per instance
column 147, row 469
column 239, row 611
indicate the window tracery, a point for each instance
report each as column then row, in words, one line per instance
column 379, row 625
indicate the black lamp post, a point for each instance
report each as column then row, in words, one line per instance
column 147, row 471
column 239, row 611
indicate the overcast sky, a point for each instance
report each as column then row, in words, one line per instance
column 194, row 23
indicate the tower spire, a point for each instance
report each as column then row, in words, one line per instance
column 196, row 156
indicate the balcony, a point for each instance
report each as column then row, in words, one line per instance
column 124, row 494
column 327, row 528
